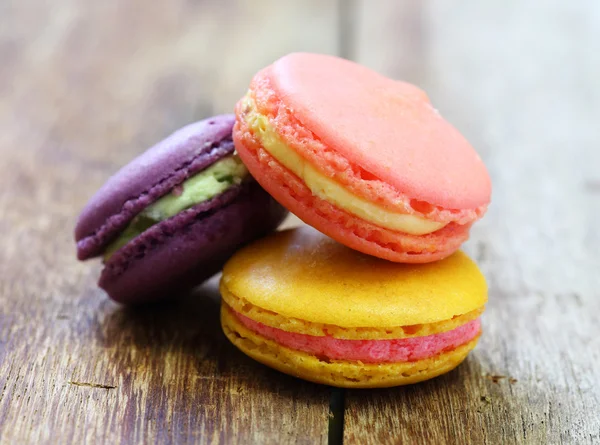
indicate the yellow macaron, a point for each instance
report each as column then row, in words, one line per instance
column 308, row 306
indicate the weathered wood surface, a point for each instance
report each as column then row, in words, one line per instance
column 521, row 80
column 84, row 86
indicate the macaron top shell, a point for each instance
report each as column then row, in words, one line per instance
column 303, row 274
column 148, row 177
column 387, row 128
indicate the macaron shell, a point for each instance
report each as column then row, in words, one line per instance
column 352, row 231
column 148, row 177
column 303, row 274
column 388, row 128
column 340, row 373
column 191, row 246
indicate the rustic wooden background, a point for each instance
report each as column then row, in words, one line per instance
column 85, row 86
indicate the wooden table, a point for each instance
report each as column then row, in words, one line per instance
column 85, row 86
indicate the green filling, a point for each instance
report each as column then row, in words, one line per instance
column 199, row 188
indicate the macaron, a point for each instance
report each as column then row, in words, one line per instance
column 308, row 306
column 362, row 158
column 170, row 218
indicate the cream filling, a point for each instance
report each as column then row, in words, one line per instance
column 326, row 188
column 201, row 187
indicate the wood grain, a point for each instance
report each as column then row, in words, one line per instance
column 519, row 79
column 85, row 86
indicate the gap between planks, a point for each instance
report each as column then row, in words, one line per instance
column 337, row 407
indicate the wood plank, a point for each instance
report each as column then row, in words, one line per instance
column 520, row 80
column 85, row 86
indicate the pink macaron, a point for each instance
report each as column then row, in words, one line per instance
column 363, row 158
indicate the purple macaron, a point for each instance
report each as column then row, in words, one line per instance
column 174, row 252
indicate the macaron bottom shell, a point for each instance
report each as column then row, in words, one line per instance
column 190, row 247
column 340, row 373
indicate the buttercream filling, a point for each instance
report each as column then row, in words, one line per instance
column 368, row 351
column 201, row 187
column 326, row 188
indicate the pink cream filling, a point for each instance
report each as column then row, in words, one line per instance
column 369, row 351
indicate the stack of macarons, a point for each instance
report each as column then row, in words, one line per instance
column 378, row 295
